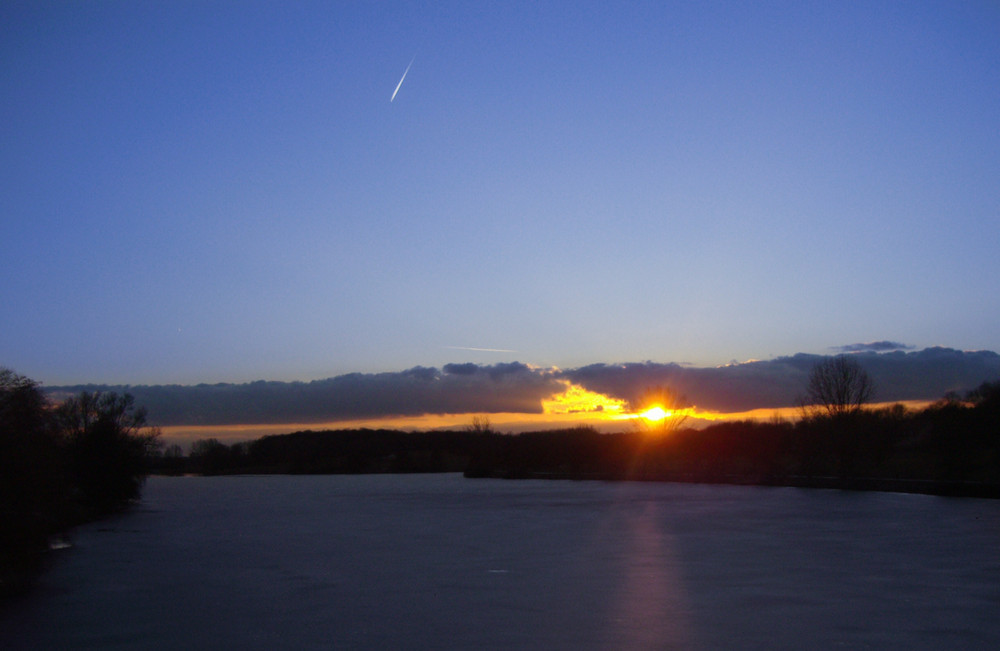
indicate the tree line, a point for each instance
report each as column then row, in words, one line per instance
column 61, row 465
column 951, row 447
column 348, row 451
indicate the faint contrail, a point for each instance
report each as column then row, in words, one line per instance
column 482, row 350
column 402, row 78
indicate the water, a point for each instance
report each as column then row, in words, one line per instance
column 442, row 562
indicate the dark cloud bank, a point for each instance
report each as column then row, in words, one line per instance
column 872, row 347
column 470, row 388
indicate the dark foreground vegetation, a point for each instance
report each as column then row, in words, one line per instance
column 62, row 466
column 952, row 447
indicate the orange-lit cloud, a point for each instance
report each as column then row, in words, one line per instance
column 577, row 400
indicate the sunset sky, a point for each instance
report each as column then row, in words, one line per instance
column 202, row 192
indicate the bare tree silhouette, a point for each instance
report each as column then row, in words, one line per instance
column 839, row 386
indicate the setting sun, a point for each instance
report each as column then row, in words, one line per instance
column 656, row 414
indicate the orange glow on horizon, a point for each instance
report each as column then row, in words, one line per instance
column 558, row 412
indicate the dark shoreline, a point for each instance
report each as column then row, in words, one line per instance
column 968, row 489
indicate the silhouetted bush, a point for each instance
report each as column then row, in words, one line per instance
column 34, row 491
column 108, row 447
column 60, row 467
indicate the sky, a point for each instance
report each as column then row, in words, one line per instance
column 205, row 192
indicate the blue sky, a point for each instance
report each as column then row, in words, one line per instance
column 222, row 191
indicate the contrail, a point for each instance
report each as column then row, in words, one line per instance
column 402, row 78
column 482, row 350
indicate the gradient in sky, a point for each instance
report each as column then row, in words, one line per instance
column 223, row 191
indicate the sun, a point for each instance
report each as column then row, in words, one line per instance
column 656, row 414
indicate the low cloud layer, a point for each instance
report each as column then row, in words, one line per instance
column 472, row 388
column 458, row 388
column 922, row 375
column 872, row 347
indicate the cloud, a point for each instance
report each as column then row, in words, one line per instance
column 930, row 373
column 519, row 388
column 461, row 369
column 736, row 387
column 898, row 375
column 871, row 347
column 461, row 388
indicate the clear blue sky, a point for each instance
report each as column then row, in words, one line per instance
column 222, row 191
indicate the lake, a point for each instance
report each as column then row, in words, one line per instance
column 443, row 562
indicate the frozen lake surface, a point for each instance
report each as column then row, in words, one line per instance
column 443, row 562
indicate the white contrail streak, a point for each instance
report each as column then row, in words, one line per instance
column 482, row 350
column 402, row 78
